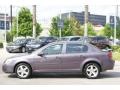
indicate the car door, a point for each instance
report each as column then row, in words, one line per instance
column 73, row 57
column 50, row 60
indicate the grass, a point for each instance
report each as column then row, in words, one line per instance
column 116, row 56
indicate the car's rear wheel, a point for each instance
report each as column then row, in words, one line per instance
column 23, row 70
column 91, row 70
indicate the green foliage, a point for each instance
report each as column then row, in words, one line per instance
column 116, row 56
column 118, row 30
column 25, row 24
column 91, row 31
column 54, row 30
column 116, row 48
column 71, row 27
column 116, row 52
column 108, row 31
column 9, row 37
column 1, row 45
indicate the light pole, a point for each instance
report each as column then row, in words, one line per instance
column 115, row 23
column 10, row 17
column 17, row 19
column 34, row 21
column 17, row 24
column 60, row 28
column 86, row 21
column 5, row 19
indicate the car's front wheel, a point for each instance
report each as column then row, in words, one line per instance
column 23, row 70
column 23, row 50
column 91, row 70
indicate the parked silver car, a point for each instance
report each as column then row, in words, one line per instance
column 61, row 56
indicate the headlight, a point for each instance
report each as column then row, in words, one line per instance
column 36, row 46
column 7, row 61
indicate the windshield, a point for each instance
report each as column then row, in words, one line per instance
column 33, row 42
column 19, row 41
column 64, row 39
column 42, row 39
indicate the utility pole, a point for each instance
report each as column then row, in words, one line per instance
column 34, row 21
column 115, row 23
column 17, row 24
column 86, row 21
column 10, row 17
column 5, row 20
column 60, row 28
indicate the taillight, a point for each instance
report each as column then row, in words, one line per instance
column 110, row 54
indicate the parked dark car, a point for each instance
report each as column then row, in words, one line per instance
column 100, row 42
column 18, row 45
column 70, row 38
column 61, row 57
column 46, row 40
column 40, row 42
column 33, row 45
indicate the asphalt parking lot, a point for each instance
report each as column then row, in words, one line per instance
column 110, row 77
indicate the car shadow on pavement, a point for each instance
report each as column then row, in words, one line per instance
column 69, row 75
column 51, row 75
column 109, row 75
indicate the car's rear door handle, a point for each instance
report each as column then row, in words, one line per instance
column 82, row 56
column 58, row 57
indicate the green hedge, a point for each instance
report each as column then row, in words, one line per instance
column 116, row 48
column 1, row 45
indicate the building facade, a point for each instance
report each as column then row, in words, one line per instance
column 94, row 19
column 2, row 25
column 112, row 21
column 2, row 22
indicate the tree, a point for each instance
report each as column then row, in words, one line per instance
column 71, row 27
column 107, row 31
column 9, row 37
column 54, row 30
column 91, row 31
column 118, row 30
column 25, row 24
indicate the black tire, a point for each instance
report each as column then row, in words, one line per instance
column 86, row 72
column 29, row 70
column 23, row 49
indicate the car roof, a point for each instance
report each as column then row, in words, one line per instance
column 70, row 42
column 70, row 36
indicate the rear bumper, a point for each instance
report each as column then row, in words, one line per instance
column 109, row 66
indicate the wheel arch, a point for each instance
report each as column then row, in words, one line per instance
column 20, row 63
column 92, row 61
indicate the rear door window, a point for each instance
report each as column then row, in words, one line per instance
column 76, row 48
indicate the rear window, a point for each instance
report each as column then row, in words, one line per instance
column 75, row 39
column 76, row 48
column 98, row 38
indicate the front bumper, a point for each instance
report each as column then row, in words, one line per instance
column 7, row 68
column 11, row 49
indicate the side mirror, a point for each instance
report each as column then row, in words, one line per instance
column 41, row 54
